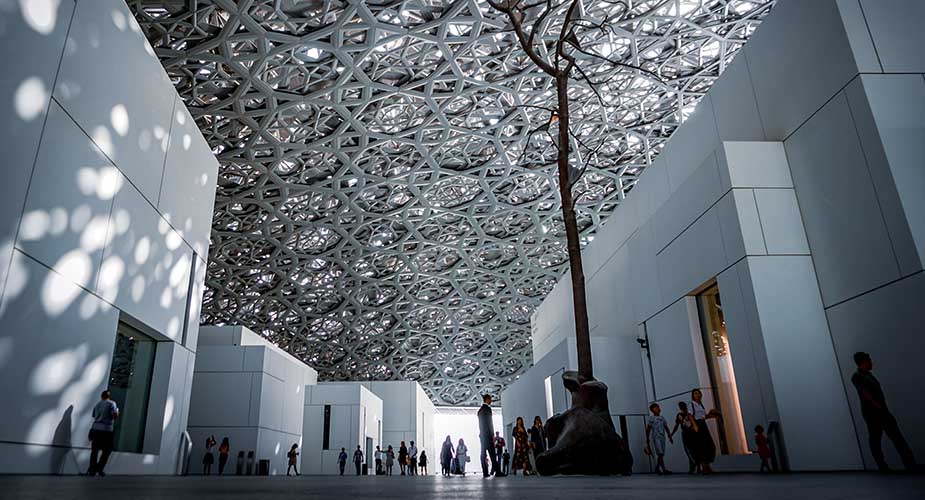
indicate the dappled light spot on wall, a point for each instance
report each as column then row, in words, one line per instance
column 95, row 235
column 122, row 221
column 80, row 216
column 35, row 224
column 173, row 240
column 30, row 98
column 142, row 250
column 89, row 306
column 42, row 431
column 82, row 394
column 118, row 118
column 40, row 15
column 187, row 142
column 54, row 372
column 16, row 279
column 57, row 291
column 118, row 20
column 138, row 288
column 103, row 139
column 168, row 412
column 111, row 273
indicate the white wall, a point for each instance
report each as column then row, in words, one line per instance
column 93, row 226
column 250, row 391
column 356, row 414
column 805, row 203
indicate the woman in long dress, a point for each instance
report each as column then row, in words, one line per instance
column 462, row 456
column 446, row 456
column 402, row 457
column 521, row 448
column 389, row 460
column 537, row 440
column 704, row 449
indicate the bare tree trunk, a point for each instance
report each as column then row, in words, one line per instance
column 579, row 302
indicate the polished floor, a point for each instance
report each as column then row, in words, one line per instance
column 867, row 486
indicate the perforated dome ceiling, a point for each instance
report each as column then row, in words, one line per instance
column 376, row 214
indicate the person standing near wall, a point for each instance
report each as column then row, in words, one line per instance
column 209, row 457
column 379, row 452
column 704, row 447
column 402, row 457
column 877, row 416
column 358, row 459
column 342, row 460
column 102, row 433
column 389, row 460
column 499, row 445
column 422, row 462
column 486, row 438
column 413, row 460
column 223, row 450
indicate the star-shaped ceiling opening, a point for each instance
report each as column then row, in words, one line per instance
column 382, row 210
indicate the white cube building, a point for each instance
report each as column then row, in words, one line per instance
column 250, row 391
column 340, row 415
column 105, row 212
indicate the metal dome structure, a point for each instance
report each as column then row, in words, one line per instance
column 383, row 211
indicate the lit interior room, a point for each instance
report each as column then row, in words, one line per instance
column 492, row 249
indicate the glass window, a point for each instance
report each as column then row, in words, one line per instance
column 130, row 385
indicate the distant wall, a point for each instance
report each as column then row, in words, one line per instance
column 105, row 212
column 250, row 391
column 356, row 414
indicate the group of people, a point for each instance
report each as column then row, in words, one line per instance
column 409, row 462
column 224, row 449
column 695, row 434
column 701, row 450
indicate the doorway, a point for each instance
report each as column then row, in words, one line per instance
column 731, row 428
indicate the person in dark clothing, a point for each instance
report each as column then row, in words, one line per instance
column 358, row 459
column 102, row 434
column 446, row 456
column 537, row 440
column 342, row 460
column 486, row 438
column 223, row 450
column 877, row 416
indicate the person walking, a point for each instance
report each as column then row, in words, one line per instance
column 342, row 460
column 293, row 456
column 379, row 453
column 389, row 460
column 486, row 438
column 656, row 433
column 877, row 415
column 402, row 457
column 446, row 457
column 704, row 448
column 422, row 462
column 462, row 457
column 223, row 450
column 209, row 457
column 102, row 433
column 537, row 441
column 413, row 460
column 358, row 459
column 685, row 421
column 521, row 448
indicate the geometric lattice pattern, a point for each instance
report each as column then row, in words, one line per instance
column 383, row 211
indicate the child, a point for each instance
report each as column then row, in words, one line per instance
column 656, row 432
column 764, row 450
column 293, row 457
column 506, row 462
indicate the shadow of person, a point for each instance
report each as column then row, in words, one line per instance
column 61, row 442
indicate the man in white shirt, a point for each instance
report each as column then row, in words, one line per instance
column 413, row 460
column 102, row 435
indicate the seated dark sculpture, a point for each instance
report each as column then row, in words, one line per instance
column 583, row 439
